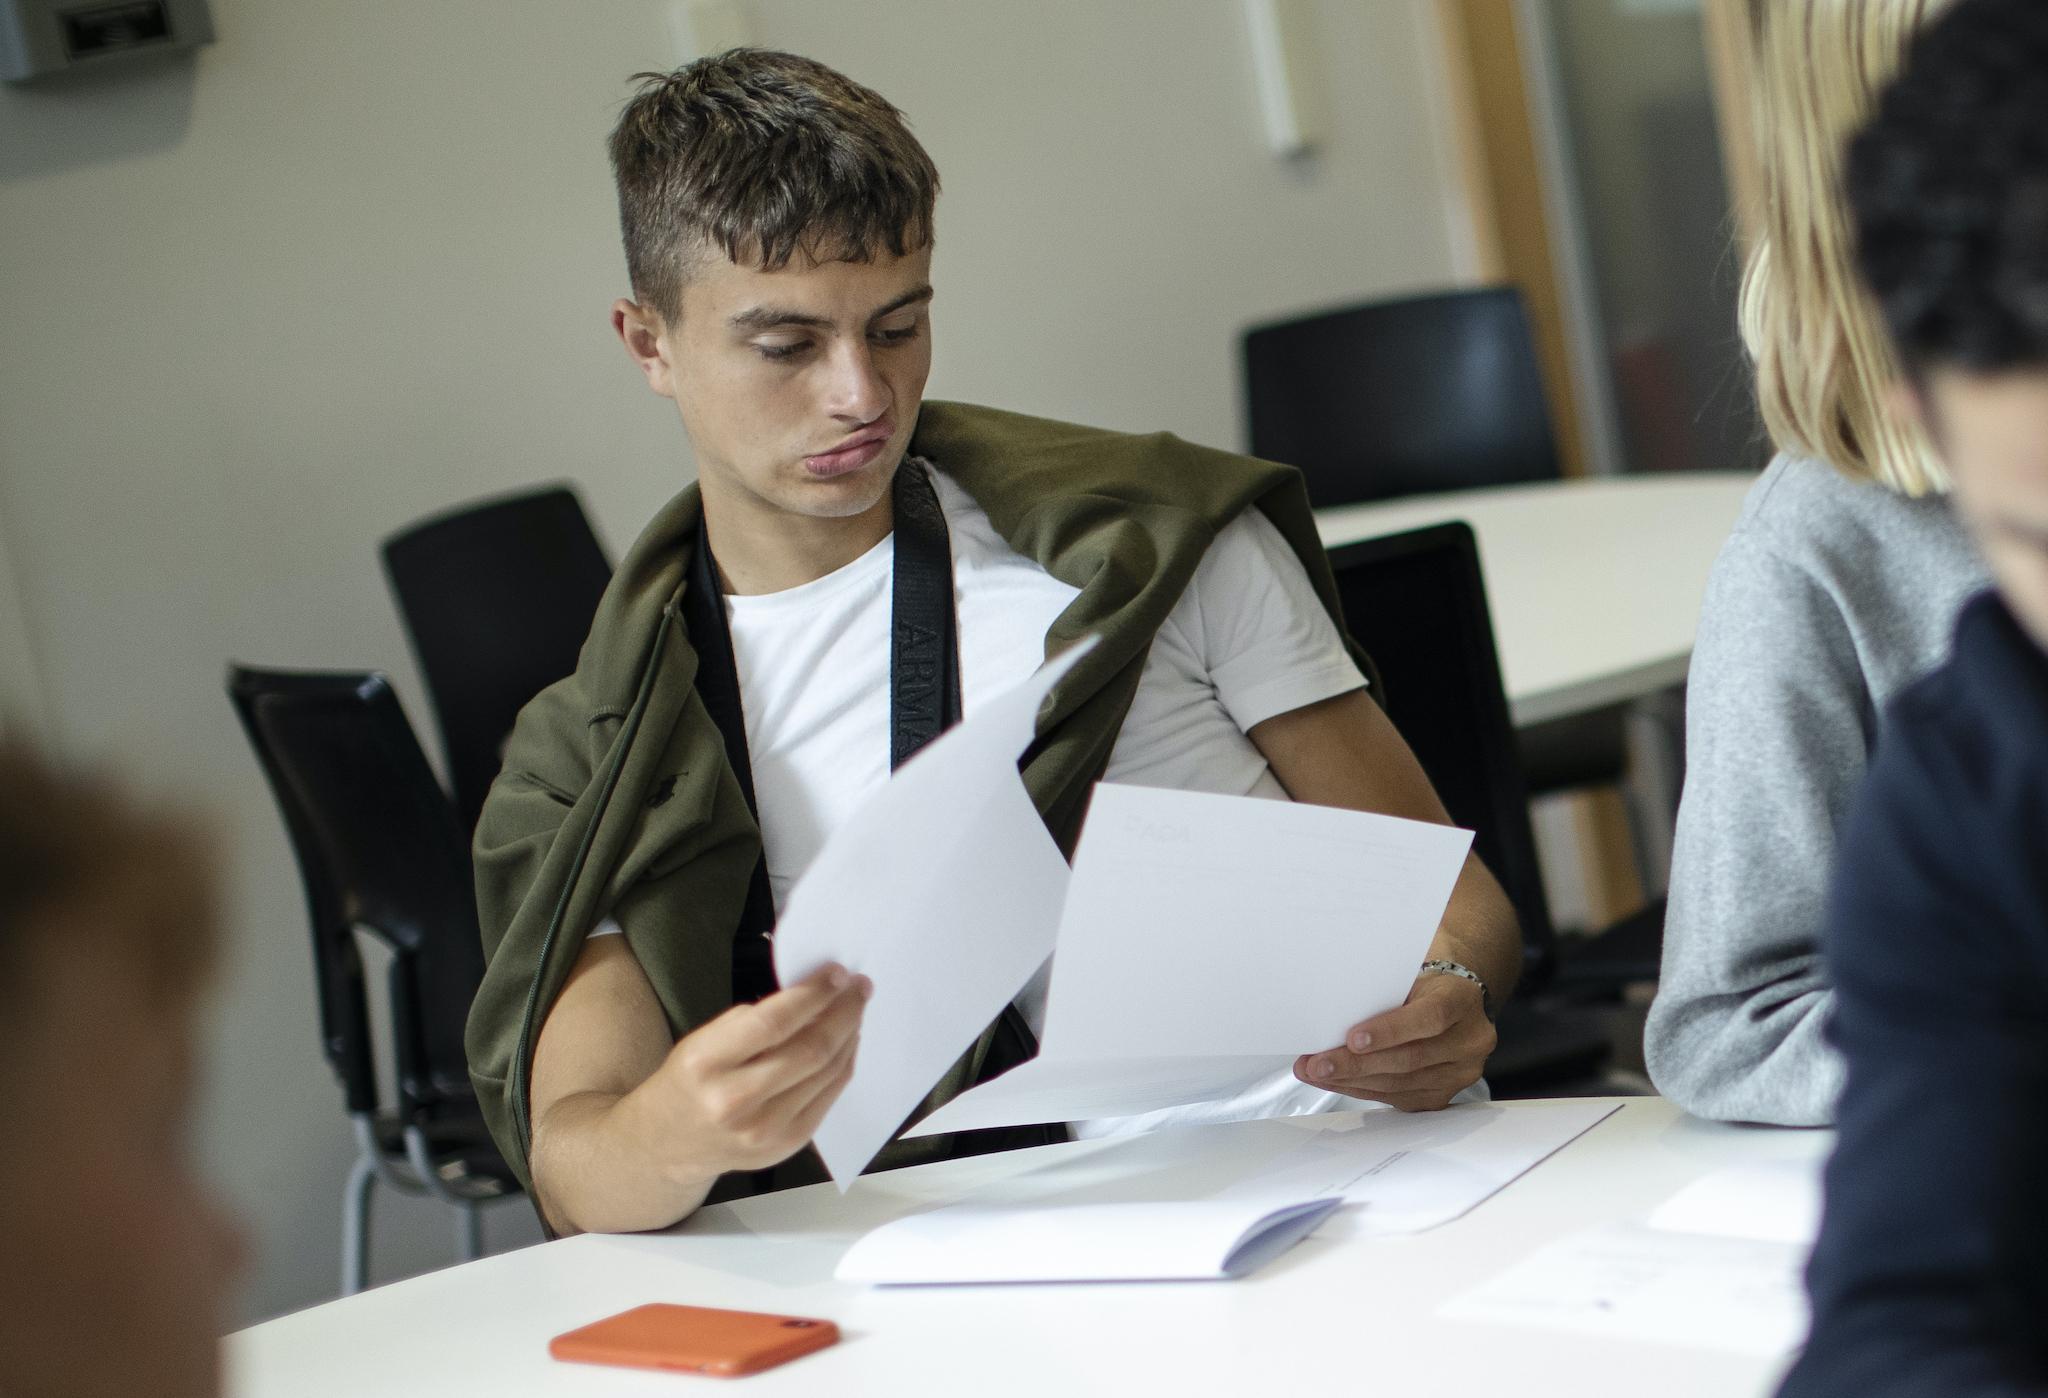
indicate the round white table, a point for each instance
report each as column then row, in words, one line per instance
column 1333, row 1315
column 1595, row 584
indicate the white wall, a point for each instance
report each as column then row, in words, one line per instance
column 21, row 682
column 353, row 265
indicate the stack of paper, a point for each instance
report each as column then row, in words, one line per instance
column 1204, row 941
column 1216, row 1201
column 1208, row 941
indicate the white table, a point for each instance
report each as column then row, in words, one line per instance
column 1337, row 1317
column 1595, row 584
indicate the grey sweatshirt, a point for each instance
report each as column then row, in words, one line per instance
column 1829, row 598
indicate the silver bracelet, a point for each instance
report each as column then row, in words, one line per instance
column 1452, row 968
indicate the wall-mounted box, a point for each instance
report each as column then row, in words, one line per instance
column 39, row 37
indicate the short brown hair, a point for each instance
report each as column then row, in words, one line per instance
column 77, row 860
column 763, row 155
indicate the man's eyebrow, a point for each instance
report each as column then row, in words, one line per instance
column 774, row 317
column 908, row 298
column 768, row 317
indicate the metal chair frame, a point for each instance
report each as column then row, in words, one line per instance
column 416, row 1173
column 393, row 1147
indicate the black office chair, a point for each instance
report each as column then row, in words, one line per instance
column 1417, row 396
column 497, row 599
column 1406, row 397
column 1417, row 601
column 379, row 850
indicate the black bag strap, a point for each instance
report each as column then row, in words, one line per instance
column 924, row 701
column 924, row 640
column 924, row 680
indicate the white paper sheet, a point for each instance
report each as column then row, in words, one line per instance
column 945, row 890
column 1064, row 1089
column 1167, row 1204
column 1772, row 1201
column 1202, row 1240
column 1415, row 1171
column 1218, row 928
column 1629, row 1282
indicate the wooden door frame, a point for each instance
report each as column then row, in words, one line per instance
column 1730, row 29
column 1500, row 175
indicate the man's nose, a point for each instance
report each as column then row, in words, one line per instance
column 858, row 393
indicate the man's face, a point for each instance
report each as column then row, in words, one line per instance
column 118, row 1264
column 1993, row 433
column 799, row 387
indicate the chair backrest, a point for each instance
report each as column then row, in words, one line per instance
column 378, row 848
column 1401, row 398
column 1417, row 603
column 497, row 599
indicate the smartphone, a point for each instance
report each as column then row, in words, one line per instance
column 695, row 1339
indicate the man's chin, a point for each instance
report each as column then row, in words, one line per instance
column 845, row 496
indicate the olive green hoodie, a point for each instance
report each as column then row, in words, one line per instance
column 616, row 797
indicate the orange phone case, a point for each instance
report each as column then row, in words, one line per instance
column 695, row 1339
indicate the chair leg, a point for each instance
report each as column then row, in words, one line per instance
column 355, row 1224
column 469, row 1232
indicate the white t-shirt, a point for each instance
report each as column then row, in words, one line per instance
column 1248, row 640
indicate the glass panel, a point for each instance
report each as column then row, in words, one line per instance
column 1645, row 159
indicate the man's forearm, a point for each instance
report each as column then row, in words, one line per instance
column 593, row 1174
column 1480, row 932
column 1345, row 752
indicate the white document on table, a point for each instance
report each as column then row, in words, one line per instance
column 1769, row 1200
column 1179, row 1204
column 1414, row 1171
column 1718, row 1265
column 1207, row 941
column 945, row 890
column 1190, row 1240
column 1625, row 1281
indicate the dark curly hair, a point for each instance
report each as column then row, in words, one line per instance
column 1949, row 188
column 759, row 156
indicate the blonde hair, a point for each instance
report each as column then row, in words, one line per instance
column 1824, row 364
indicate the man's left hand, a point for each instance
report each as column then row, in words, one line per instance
column 1417, row 1057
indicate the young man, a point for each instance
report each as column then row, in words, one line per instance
column 117, row 1264
column 1931, row 1273
column 790, row 626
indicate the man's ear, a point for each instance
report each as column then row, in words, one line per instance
column 644, row 334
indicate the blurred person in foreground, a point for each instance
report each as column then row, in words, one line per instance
column 1931, row 1272
column 116, row 1265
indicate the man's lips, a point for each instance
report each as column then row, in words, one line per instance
column 852, row 454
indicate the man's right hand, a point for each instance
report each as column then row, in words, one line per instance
column 631, row 1129
column 748, row 1090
